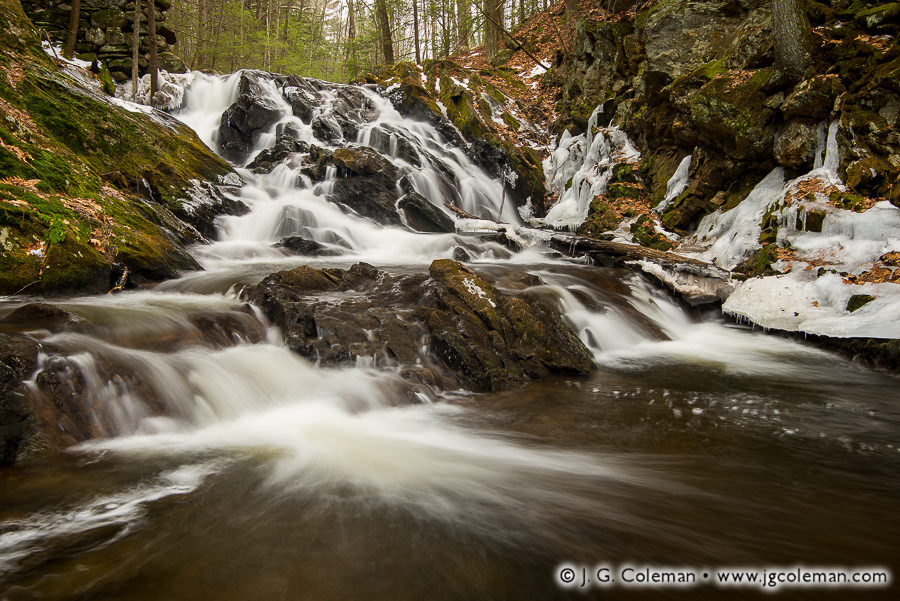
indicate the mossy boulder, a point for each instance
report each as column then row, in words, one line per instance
column 477, row 336
column 858, row 301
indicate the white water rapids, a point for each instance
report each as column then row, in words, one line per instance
column 325, row 431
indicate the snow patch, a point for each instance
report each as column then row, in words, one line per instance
column 475, row 289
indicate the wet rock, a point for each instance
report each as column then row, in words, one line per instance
column 452, row 321
column 228, row 328
column 460, row 254
column 493, row 340
column 423, row 216
column 18, row 358
column 795, row 144
column 42, row 315
column 251, row 114
column 301, row 246
column 366, row 184
column 287, row 144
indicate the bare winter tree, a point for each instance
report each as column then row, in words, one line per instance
column 154, row 63
column 135, row 46
column 790, row 31
column 69, row 50
column 384, row 28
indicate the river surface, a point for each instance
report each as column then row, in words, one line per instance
column 696, row 443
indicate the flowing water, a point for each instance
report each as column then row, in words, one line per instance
column 228, row 468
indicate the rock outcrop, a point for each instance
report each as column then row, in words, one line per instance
column 685, row 77
column 450, row 326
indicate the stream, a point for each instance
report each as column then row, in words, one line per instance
column 697, row 442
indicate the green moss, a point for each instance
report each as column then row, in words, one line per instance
column 857, row 301
column 645, row 234
column 511, row 121
column 759, row 263
column 848, row 201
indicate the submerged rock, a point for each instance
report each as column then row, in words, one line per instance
column 301, row 246
column 452, row 320
column 42, row 315
column 18, row 357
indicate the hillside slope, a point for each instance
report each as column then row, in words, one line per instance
column 91, row 187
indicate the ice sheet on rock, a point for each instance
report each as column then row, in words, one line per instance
column 802, row 302
column 676, row 184
column 587, row 161
column 731, row 235
column 849, row 241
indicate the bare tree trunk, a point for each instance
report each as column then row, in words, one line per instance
column 202, row 20
column 135, row 47
column 154, row 63
column 384, row 26
column 416, row 30
column 465, row 23
column 790, row 32
column 493, row 33
column 571, row 7
column 72, row 35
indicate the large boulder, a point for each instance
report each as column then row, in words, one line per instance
column 474, row 335
column 253, row 113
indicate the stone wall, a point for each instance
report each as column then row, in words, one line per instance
column 104, row 33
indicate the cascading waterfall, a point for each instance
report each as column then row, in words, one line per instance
column 190, row 380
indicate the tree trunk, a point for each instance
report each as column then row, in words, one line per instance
column 571, row 7
column 135, row 48
column 384, row 26
column 154, row 64
column 493, row 34
column 74, row 17
column 791, row 35
column 416, row 30
column 202, row 20
column 465, row 24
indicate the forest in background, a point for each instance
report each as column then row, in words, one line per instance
column 337, row 40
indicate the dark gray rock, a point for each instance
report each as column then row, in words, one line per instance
column 252, row 114
column 473, row 334
column 423, row 216
column 18, row 358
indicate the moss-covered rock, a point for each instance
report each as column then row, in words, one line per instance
column 89, row 189
column 477, row 336
column 645, row 234
column 857, row 301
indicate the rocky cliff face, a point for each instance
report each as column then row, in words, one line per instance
column 105, row 30
column 700, row 77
